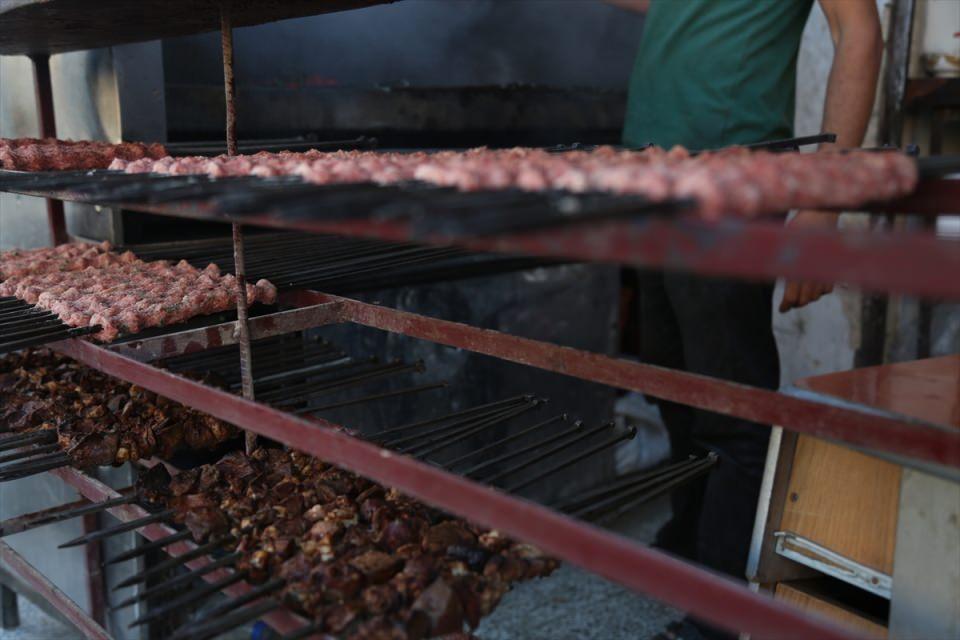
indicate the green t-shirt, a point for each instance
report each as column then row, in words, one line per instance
column 711, row 73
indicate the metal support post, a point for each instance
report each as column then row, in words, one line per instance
column 48, row 129
column 243, row 330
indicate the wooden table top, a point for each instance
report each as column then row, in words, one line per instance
column 926, row 389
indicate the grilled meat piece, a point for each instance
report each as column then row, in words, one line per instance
column 100, row 420
column 442, row 607
column 367, row 563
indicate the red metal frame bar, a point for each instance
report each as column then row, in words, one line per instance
column 708, row 596
column 283, row 621
column 910, row 262
column 48, row 129
column 224, row 334
column 898, row 436
column 864, row 427
column 51, row 593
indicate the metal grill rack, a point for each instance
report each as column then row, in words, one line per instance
column 558, row 226
column 24, row 325
column 337, row 264
column 608, row 229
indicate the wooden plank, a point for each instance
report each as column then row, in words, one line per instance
column 845, row 501
column 785, row 592
column 772, row 567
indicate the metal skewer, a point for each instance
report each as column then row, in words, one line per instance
column 451, row 416
column 234, row 604
column 371, row 398
column 59, row 514
column 609, row 442
column 34, row 470
column 499, row 443
column 178, row 581
column 231, row 621
column 174, row 562
column 143, row 549
column 35, row 451
column 120, row 528
column 190, row 598
column 41, row 436
column 459, row 435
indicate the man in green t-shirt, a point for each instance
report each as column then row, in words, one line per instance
column 712, row 73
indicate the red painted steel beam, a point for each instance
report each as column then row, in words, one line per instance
column 713, row 598
column 18, row 565
column 864, row 427
column 224, row 334
column 281, row 620
column 48, row 129
column 909, row 262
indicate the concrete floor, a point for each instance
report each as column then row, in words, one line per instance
column 37, row 625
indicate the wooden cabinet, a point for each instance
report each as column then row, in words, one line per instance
column 830, row 516
column 843, row 500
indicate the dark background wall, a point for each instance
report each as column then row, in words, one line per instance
column 583, row 43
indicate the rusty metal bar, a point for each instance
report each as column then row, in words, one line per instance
column 56, row 221
column 239, row 267
column 224, row 334
column 858, row 425
column 282, row 621
column 52, row 594
column 906, row 262
column 705, row 595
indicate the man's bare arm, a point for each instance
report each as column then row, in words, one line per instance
column 858, row 45
column 858, row 51
column 640, row 6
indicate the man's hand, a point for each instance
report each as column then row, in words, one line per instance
column 798, row 294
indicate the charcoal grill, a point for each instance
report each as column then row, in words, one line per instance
column 558, row 226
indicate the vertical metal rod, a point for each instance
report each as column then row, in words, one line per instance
column 239, row 268
column 226, row 45
column 9, row 608
column 48, row 129
column 96, row 582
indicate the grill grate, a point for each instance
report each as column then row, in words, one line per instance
column 337, row 264
column 24, row 325
column 521, row 447
column 428, row 209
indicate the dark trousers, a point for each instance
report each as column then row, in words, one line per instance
column 722, row 329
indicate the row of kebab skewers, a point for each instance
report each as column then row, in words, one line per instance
column 89, row 285
column 357, row 559
column 734, row 181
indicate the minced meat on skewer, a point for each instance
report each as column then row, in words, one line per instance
column 87, row 285
column 50, row 154
column 734, row 181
